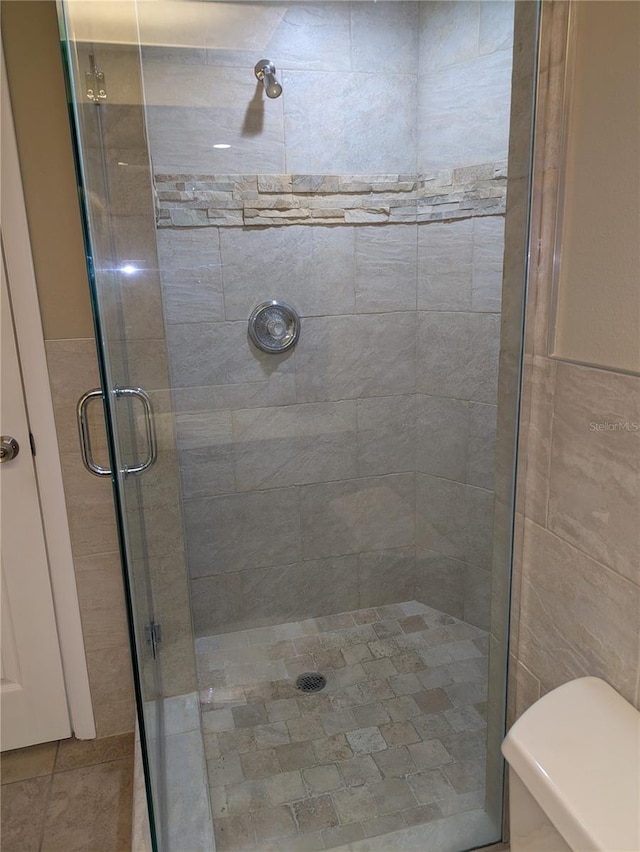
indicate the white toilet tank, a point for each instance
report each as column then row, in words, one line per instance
column 574, row 772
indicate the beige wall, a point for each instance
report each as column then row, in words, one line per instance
column 576, row 584
column 598, row 298
column 29, row 30
column 32, row 53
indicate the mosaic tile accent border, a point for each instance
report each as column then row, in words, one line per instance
column 192, row 201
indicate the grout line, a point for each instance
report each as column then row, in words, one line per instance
column 45, row 817
column 101, row 761
column 91, row 765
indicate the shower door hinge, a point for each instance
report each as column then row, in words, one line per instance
column 96, row 87
column 153, row 635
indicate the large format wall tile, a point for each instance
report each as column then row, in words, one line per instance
column 443, row 513
column 594, row 478
column 205, row 453
column 477, row 596
column 482, row 445
column 386, row 434
column 192, row 107
column 272, row 389
column 448, row 34
column 496, row 25
column 458, row 355
column 289, row 592
column 368, row 119
column 99, row 582
column 216, row 601
column 111, row 685
column 465, row 107
column 217, row 354
column 384, row 34
column 386, row 576
column 295, row 444
column 445, row 266
column 191, row 274
column 488, row 250
column 262, row 596
column 237, row 531
column 312, row 36
column 454, row 519
column 353, row 516
column 537, row 414
column 312, row 268
column 184, row 137
column 88, row 497
column 460, row 265
column 385, row 268
column 301, row 36
column 577, row 616
column 442, row 437
column 479, row 537
column 440, row 581
column 354, row 356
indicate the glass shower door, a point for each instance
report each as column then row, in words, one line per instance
column 116, row 187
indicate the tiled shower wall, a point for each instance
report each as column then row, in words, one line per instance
column 356, row 470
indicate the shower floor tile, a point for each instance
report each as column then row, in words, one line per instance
column 397, row 738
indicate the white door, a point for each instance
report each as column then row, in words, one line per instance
column 33, row 703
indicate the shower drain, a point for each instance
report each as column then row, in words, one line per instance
column 311, row 682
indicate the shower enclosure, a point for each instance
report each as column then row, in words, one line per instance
column 295, row 223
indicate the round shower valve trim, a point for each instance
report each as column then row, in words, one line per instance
column 274, row 326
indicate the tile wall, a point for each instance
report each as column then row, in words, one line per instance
column 576, row 573
column 303, row 474
column 72, row 371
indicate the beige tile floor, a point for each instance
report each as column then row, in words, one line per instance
column 396, row 738
column 68, row 796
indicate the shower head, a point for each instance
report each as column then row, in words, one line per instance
column 265, row 71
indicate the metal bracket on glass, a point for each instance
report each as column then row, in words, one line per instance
column 96, row 87
column 85, row 435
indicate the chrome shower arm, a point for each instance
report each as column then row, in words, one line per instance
column 265, row 71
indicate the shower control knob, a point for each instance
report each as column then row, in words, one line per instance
column 274, row 327
column 9, row 448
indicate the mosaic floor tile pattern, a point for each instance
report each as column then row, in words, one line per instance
column 397, row 738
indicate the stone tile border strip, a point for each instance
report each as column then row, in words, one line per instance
column 228, row 201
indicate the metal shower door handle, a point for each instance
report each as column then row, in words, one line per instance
column 85, row 436
column 150, row 429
